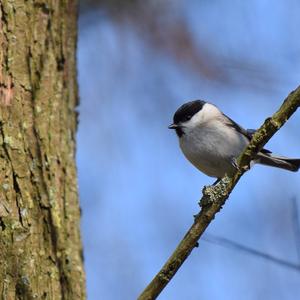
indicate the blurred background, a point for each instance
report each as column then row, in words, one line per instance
column 138, row 61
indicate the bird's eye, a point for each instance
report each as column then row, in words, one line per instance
column 188, row 117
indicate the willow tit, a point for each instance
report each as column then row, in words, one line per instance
column 211, row 141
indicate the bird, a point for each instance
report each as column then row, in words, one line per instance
column 212, row 141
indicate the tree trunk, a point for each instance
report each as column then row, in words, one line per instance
column 40, row 247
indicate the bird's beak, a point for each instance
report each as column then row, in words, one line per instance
column 173, row 126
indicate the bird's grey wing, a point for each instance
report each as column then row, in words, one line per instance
column 248, row 133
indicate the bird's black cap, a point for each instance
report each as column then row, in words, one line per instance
column 187, row 110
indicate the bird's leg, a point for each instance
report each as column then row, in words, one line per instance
column 236, row 166
column 234, row 163
column 217, row 181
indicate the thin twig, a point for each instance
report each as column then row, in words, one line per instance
column 220, row 241
column 214, row 197
column 296, row 225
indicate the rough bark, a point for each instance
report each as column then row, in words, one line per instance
column 40, row 246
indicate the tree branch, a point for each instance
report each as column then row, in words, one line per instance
column 214, row 197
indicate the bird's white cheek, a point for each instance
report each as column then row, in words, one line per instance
column 208, row 113
column 193, row 123
column 197, row 119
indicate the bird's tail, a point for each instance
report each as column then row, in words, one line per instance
column 268, row 159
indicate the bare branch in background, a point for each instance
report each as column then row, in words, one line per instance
column 230, row 244
column 239, row 247
column 227, row 243
column 296, row 225
column 214, row 197
column 167, row 32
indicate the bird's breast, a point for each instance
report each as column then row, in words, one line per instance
column 212, row 148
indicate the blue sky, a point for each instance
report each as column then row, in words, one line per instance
column 138, row 193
